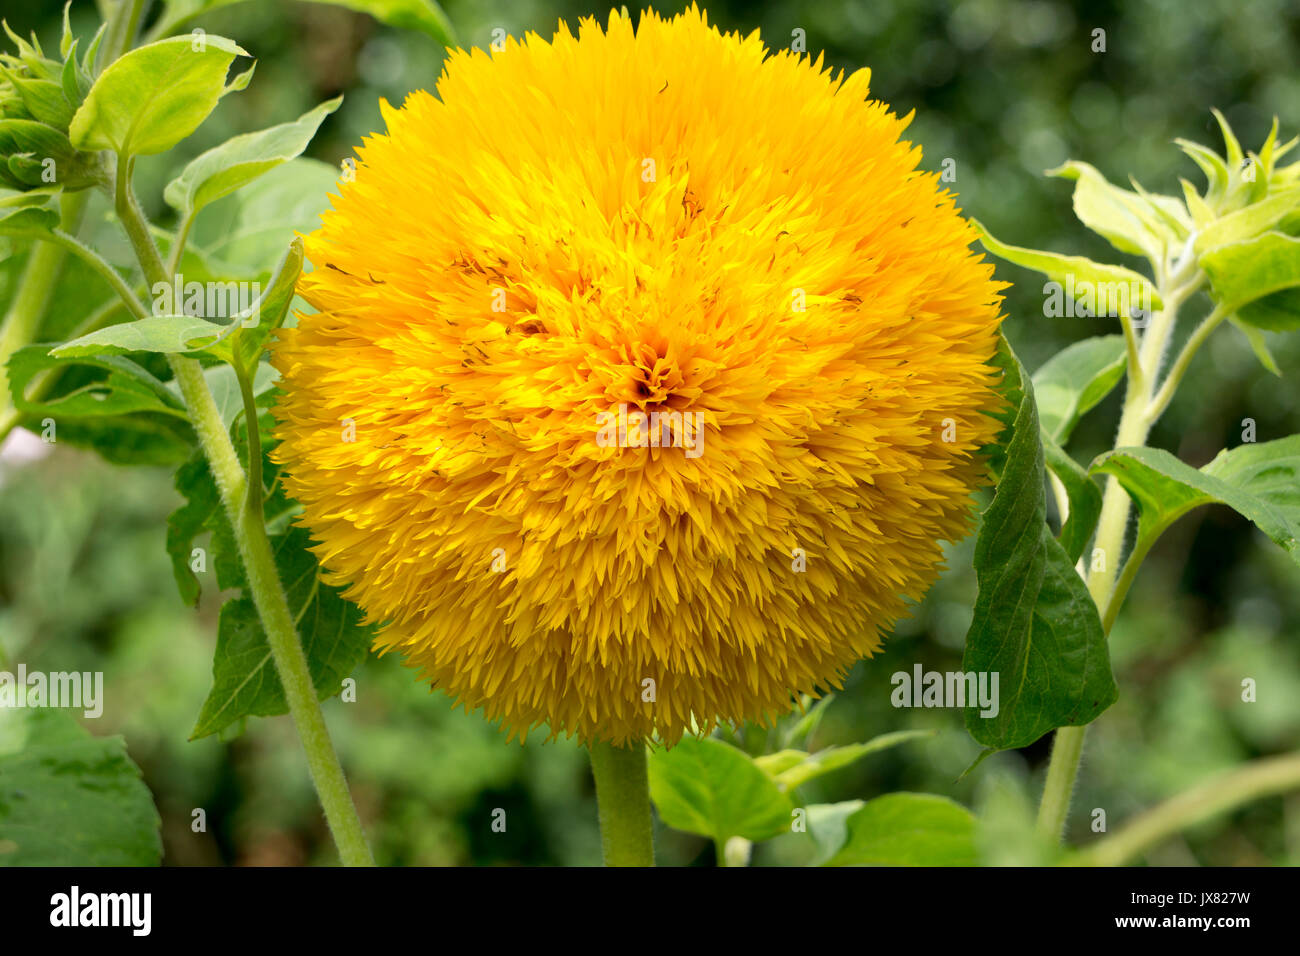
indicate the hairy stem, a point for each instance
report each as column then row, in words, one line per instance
column 1134, row 425
column 102, row 266
column 1162, row 398
column 255, row 550
column 623, row 802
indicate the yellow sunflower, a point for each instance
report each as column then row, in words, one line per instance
column 649, row 374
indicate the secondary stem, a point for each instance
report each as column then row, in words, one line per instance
column 255, row 550
column 623, row 803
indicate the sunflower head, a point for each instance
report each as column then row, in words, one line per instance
column 648, row 375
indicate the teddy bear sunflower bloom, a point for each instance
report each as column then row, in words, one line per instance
column 647, row 377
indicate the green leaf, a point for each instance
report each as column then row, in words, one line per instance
column 1257, row 279
column 1259, row 481
column 780, row 760
column 246, row 231
column 202, row 503
column 44, row 99
column 153, row 97
column 269, row 311
column 1083, row 493
column 707, row 787
column 1257, row 345
column 422, row 15
column 107, row 404
column 1232, row 149
column 1211, row 163
column 908, row 829
column 1248, row 222
column 34, row 142
column 1125, row 219
column 153, row 333
column 244, row 679
column 70, row 799
column 127, row 388
column 1110, row 286
column 828, row 826
column 1168, row 209
column 1074, row 380
column 828, row 759
column 1012, row 388
column 146, row 438
column 15, row 199
column 1034, row 623
column 1202, row 215
column 27, row 221
column 238, row 161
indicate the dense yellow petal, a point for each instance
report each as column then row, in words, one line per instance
column 632, row 218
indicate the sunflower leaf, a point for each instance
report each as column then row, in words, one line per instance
column 238, row 161
column 1258, row 279
column 1258, row 345
column 244, row 679
column 707, row 787
column 69, row 798
column 155, row 96
column 1084, row 495
column 1125, row 219
column 125, row 389
column 828, row 759
column 1259, row 481
column 1034, row 625
column 153, row 333
column 1109, row 289
column 1074, row 380
column 107, row 404
column 202, row 506
column 908, row 829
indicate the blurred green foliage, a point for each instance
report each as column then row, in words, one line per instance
column 1006, row 88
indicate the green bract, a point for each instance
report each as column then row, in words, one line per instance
column 38, row 98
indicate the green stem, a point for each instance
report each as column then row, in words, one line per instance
column 1067, row 748
column 1120, row 591
column 102, row 266
column 259, row 562
column 1134, row 426
column 133, row 221
column 1260, row 778
column 181, row 237
column 40, row 277
column 123, row 25
column 273, row 607
column 623, row 802
column 1179, row 368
